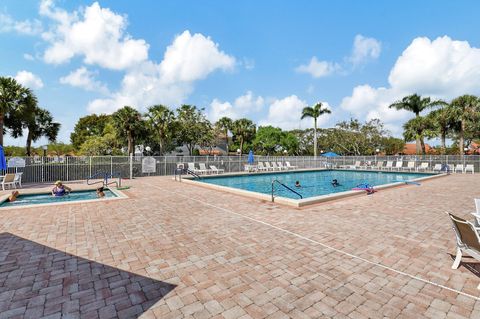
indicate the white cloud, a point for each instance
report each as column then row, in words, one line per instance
column 96, row 34
column 28, row 27
column 83, row 78
column 364, row 49
column 188, row 59
column 286, row 113
column 29, row 80
column 28, row 57
column 243, row 106
column 318, row 69
column 442, row 68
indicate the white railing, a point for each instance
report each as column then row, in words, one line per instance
column 68, row 168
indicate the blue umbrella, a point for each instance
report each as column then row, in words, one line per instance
column 330, row 154
column 251, row 160
column 3, row 163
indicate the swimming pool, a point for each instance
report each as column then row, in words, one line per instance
column 44, row 198
column 313, row 183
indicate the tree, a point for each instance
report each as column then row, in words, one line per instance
column 314, row 112
column 191, row 126
column 162, row 121
column 465, row 109
column 268, row 140
column 442, row 124
column 243, row 130
column 224, row 124
column 392, row 145
column 416, row 129
column 88, row 126
column 105, row 144
column 128, row 123
column 416, row 104
column 12, row 98
column 60, row 148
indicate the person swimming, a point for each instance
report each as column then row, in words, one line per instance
column 297, row 184
column 13, row 196
column 335, row 183
column 60, row 189
column 100, row 192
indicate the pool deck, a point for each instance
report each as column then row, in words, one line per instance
column 176, row 250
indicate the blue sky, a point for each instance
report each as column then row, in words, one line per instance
column 264, row 60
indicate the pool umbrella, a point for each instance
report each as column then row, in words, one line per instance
column 330, row 154
column 251, row 160
column 3, row 163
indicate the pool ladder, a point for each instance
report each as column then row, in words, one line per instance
column 285, row 186
column 179, row 171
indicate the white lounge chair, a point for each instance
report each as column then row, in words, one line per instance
column 469, row 168
column 275, row 167
column 269, row 167
column 410, row 166
column 423, row 167
column 458, row 168
column 290, row 166
column 260, row 167
column 389, row 165
column 476, row 213
column 281, row 166
column 356, row 165
column 399, row 165
column 216, row 170
column 191, row 167
column 18, row 179
column 468, row 240
column 379, row 165
column 204, row 169
column 437, row 168
column 8, row 180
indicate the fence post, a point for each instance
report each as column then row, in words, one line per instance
column 165, row 168
column 66, row 163
column 111, row 165
column 90, row 166
column 131, row 165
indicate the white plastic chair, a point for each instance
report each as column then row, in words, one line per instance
column 410, row 166
column 216, row 170
column 458, row 168
column 437, row 168
column 203, row 168
column 18, row 179
column 290, row 166
column 8, row 180
column 399, row 165
column 389, row 165
column 261, row 167
column 423, row 167
column 469, row 168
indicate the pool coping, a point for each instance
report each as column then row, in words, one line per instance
column 119, row 195
column 298, row 203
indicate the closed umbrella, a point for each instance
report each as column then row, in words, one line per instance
column 251, row 160
column 330, row 154
column 3, row 163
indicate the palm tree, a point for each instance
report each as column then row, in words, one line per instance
column 465, row 108
column 416, row 104
column 441, row 121
column 243, row 130
column 417, row 128
column 162, row 120
column 224, row 124
column 314, row 112
column 127, row 122
column 12, row 97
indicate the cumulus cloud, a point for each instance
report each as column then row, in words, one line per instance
column 29, row 80
column 243, row 106
column 442, row 68
column 96, row 34
column 27, row 27
column 318, row 69
column 364, row 49
column 85, row 79
column 286, row 112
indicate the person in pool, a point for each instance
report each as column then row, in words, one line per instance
column 13, row 196
column 100, row 192
column 60, row 189
column 297, row 184
column 335, row 183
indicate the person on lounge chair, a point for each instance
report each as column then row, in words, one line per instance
column 60, row 189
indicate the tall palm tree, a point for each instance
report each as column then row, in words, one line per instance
column 127, row 121
column 415, row 128
column 224, row 124
column 243, row 130
column 12, row 97
column 442, row 124
column 162, row 120
column 314, row 112
column 465, row 108
column 416, row 104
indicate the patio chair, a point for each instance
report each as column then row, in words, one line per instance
column 458, row 167
column 423, row 167
column 269, row 167
column 203, row 168
column 356, row 165
column 379, row 165
column 260, row 167
column 389, row 165
column 290, row 166
column 469, row 168
column 476, row 214
column 18, row 179
column 8, row 180
column 216, row 170
column 399, row 165
column 191, row 167
column 468, row 240
column 275, row 167
column 410, row 166
column 437, row 168
column 281, row 166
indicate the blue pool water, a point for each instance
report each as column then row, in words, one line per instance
column 313, row 183
column 49, row 199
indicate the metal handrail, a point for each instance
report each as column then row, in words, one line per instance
column 273, row 189
column 193, row 173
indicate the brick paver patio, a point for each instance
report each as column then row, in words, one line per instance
column 173, row 250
